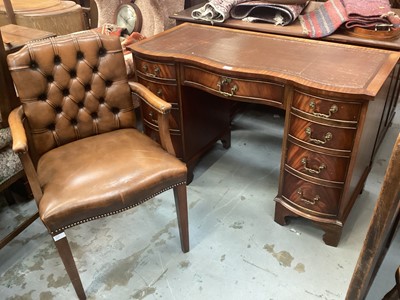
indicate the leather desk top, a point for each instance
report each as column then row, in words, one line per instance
column 327, row 66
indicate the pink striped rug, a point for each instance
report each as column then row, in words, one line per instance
column 352, row 13
column 325, row 19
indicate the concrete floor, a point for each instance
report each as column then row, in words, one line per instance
column 237, row 250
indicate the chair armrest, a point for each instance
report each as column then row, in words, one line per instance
column 162, row 108
column 20, row 146
column 150, row 98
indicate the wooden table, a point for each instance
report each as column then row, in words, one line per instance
column 14, row 37
column 335, row 103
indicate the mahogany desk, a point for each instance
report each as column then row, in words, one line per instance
column 335, row 96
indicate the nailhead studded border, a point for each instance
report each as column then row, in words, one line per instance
column 115, row 212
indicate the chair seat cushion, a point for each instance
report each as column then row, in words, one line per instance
column 102, row 175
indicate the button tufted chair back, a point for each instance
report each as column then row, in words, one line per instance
column 75, row 135
column 72, row 87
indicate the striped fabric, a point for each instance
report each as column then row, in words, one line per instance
column 324, row 20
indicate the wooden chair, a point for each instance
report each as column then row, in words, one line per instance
column 383, row 225
column 76, row 138
column 10, row 165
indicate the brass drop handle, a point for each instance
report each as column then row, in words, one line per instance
column 310, row 170
column 156, row 73
column 332, row 110
column 308, row 201
column 226, row 81
column 327, row 137
column 151, row 115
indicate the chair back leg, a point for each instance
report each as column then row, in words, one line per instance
column 65, row 253
column 180, row 195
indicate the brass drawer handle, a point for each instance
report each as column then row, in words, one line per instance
column 332, row 110
column 308, row 201
column 327, row 137
column 151, row 115
column 310, row 170
column 226, row 81
column 145, row 69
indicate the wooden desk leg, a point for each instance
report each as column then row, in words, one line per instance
column 190, row 175
column 281, row 214
column 332, row 234
column 226, row 140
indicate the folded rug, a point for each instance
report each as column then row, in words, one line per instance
column 368, row 14
column 215, row 10
column 352, row 13
column 324, row 20
column 219, row 10
column 266, row 11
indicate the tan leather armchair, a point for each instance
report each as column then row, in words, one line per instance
column 75, row 135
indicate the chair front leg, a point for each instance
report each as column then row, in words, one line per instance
column 180, row 195
column 65, row 253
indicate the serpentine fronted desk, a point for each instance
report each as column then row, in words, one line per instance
column 336, row 99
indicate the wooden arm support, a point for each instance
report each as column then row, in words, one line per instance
column 20, row 146
column 162, row 108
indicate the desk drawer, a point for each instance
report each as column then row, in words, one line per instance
column 166, row 91
column 310, row 197
column 176, row 138
column 150, row 115
column 152, row 69
column 318, row 165
column 325, row 136
column 326, row 108
column 236, row 88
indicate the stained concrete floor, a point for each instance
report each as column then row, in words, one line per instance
column 237, row 250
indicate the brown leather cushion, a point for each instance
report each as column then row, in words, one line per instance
column 102, row 175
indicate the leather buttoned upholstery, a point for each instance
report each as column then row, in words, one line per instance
column 72, row 90
column 76, row 137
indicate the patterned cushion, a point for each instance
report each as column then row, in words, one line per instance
column 10, row 164
column 5, row 137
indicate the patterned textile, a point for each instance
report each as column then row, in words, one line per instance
column 264, row 11
column 10, row 164
column 5, row 137
column 367, row 8
column 324, row 20
column 215, row 10
column 352, row 13
column 369, row 13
